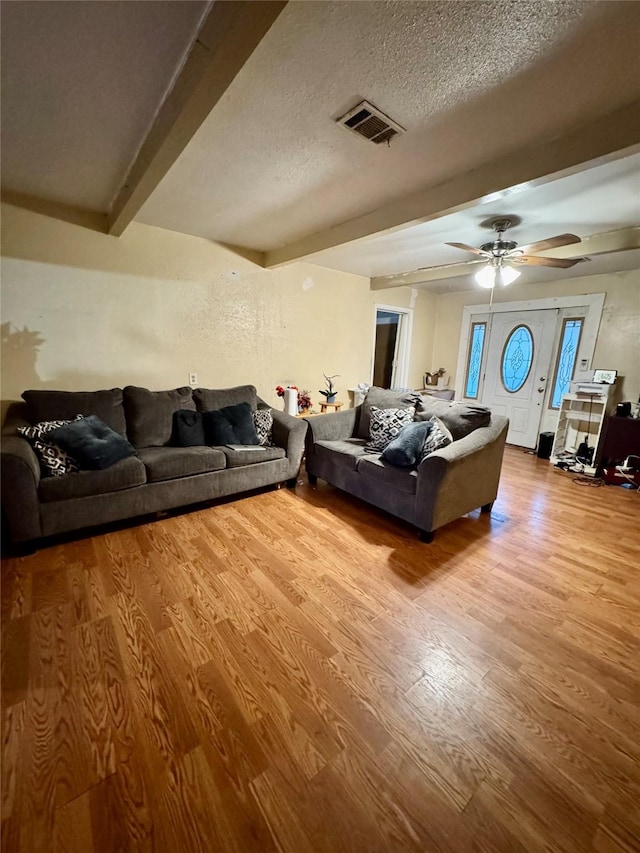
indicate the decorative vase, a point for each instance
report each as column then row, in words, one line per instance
column 331, row 398
column 303, row 411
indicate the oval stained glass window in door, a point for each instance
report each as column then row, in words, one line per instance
column 517, row 357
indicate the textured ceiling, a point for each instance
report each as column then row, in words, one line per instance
column 470, row 81
column 474, row 83
column 602, row 199
column 81, row 83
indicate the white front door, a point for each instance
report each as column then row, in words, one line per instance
column 517, row 370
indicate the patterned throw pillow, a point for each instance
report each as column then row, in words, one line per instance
column 54, row 461
column 438, row 436
column 263, row 422
column 385, row 425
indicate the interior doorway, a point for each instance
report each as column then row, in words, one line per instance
column 391, row 346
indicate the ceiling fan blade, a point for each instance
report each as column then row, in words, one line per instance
column 549, row 243
column 536, row 261
column 472, row 249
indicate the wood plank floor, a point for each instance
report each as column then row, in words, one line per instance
column 295, row 671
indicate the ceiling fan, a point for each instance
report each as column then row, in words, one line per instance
column 502, row 256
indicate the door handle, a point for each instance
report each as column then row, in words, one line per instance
column 540, row 390
column 543, row 379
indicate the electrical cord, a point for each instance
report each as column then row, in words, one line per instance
column 593, row 482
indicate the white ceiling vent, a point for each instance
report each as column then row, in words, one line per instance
column 367, row 121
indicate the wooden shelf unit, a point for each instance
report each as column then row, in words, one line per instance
column 580, row 415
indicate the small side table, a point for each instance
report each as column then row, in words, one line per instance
column 335, row 406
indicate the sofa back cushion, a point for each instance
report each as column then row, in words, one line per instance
column 382, row 398
column 210, row 399
column 461, row 419
column 65, row 405
column 150, row 414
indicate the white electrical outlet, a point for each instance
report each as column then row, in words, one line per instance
column 193, row 379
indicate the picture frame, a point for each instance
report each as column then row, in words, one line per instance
column 605, row 377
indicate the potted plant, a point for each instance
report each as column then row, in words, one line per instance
column 330, row 392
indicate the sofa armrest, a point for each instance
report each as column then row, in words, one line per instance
column 460, row 477
column 333, row 426
column 337, row 425
column 20, row 472
column 289, row 433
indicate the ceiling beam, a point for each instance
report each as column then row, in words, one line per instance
column 92, row 219
column 230, row 32
column 438, row 273
column 622, row 240
column 605, row 139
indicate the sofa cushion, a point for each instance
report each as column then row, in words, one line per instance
column 208, row 399
column 150, row 414
column 65, row 405
column 382, row 398
column 230, row 425
column 188, row 429
column 439, row 436
column 341, row 451
column 385, row 425
column 251, row 454
column 54, row 461
column 461, row 419
column 400, row 479
column 405, row 451
column 92, row 443
column 170, row 463
column 123, row 475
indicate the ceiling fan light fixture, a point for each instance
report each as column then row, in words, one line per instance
column 496, row 273
column 506, row 275
column 486, row 277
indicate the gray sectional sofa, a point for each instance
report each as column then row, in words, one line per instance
column 158, row 477
column 446, row 485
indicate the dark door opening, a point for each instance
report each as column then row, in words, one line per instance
column 384, row 362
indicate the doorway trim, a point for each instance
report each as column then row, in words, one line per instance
column 594, row 302
column 404, row 342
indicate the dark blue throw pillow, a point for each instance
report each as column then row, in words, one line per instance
column 188, row 429
column 230, row 425
column 405, row 450
column 217, row 429
column 92, row 443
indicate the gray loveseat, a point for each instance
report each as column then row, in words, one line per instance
column 446, row 484
column 158, row 477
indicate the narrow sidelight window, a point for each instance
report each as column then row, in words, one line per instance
column 474, row 360
column 566, row 361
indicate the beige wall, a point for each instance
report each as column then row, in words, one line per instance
column 81, row 310
column 618, row 344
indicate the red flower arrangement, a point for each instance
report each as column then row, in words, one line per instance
column 304, row 400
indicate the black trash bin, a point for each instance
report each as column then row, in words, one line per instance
column 545, row 443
